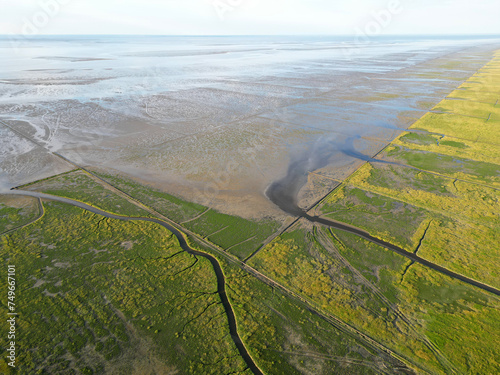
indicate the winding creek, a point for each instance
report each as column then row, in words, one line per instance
column 221, row 281
column 283, row 193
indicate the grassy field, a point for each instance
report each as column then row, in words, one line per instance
column 15, row 212
column 456, row 223
column 240, row 236
column 466, row 124
column 456, row 317
column 312, row 267
column 445, row 145
column 418, row 313
column 139, row 304
column 98, row 295
column 80, row 186
column 285, row 337
column 237, row 235
column 468, row 108
column 394, row 221
column 452, row 166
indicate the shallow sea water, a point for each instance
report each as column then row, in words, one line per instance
column 180, row 112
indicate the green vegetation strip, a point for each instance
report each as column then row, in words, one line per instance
column 107, row 296
column 445, row 207
column 238, row 236
column 221, row 286
column 281, row 345
column 453, row 192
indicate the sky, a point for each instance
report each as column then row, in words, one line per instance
column 249, row 17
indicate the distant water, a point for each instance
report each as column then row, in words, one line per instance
column 200, row 56
column 129, row 99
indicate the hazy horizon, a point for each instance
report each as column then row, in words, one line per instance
column 249, row 17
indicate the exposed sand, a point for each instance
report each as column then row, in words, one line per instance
column 219, row 126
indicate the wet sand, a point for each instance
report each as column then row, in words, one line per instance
column 219, row 121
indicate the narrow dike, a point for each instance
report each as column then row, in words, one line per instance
column 221, row 280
